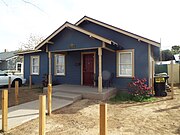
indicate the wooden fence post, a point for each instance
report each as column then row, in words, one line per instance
column 42, row 114
column 30, row 82
column 172, row 89
column 16, row 92
column 49, row 99
column 103, row 119
column 9, row 83
column 4, row 110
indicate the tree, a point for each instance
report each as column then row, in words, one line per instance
column 175, row 49
column 32, row 41
column 167, row 55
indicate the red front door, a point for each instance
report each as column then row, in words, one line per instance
column 88, row 69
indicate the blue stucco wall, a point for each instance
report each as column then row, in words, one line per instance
column 72, row 69
column 36, row 79
column 109, row 59
column 67, row 37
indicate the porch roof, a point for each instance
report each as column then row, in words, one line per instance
column 27, row 52
column 69, row 25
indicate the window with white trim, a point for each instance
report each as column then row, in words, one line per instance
column 18, row 66
column 59, row 64
column 35, row 65
column 125, row 63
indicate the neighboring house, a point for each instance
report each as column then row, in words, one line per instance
column 11, row 62
column 79, row 53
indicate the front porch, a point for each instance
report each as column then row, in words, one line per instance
column 83, row 67
column 86, row 91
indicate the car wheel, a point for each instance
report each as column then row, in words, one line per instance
column 20, row 82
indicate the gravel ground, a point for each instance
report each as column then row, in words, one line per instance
column 161, row 117
column 25, row 95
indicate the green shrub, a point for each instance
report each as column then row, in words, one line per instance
column 138, row 91
column 121, row 97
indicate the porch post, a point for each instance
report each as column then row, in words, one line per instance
column 100, row 70
column 50, row 75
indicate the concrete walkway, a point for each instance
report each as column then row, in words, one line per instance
column 22, row 113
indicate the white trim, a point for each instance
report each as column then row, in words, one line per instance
column 100, row 69
column 150, row 66
column 90, row 34
column 31, row 68
column 17, row 65
column 55, row 70
column 27, row 52
column 118, row 62
column 49, row 42
column 139, row 38
column 104, row 47
column 67, row 24
column 68, row 50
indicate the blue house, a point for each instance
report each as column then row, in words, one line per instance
column 89, row 52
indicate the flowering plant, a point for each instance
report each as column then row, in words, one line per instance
column 139, row 88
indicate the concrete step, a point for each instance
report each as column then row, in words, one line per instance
column 70, row 91
column 67, row 96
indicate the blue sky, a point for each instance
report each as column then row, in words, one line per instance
column 152, row 19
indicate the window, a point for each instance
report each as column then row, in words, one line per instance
column 125, row 66
column 18, row 66
column 59, row 64
column 35, row 65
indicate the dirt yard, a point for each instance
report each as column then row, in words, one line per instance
column 82, row 118
column 25, row 95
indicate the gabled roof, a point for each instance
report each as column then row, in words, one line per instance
column 6, row 55
column 69, row 25
column 85, row 18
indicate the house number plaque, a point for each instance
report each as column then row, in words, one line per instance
column 72, row 46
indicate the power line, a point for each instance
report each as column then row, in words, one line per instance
column 33, row 5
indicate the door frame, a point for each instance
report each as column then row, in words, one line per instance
column 82, row 54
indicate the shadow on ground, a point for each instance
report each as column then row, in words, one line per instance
column 166, row 109
column 75, row 107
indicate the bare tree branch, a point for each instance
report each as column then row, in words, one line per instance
column 31, row 42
